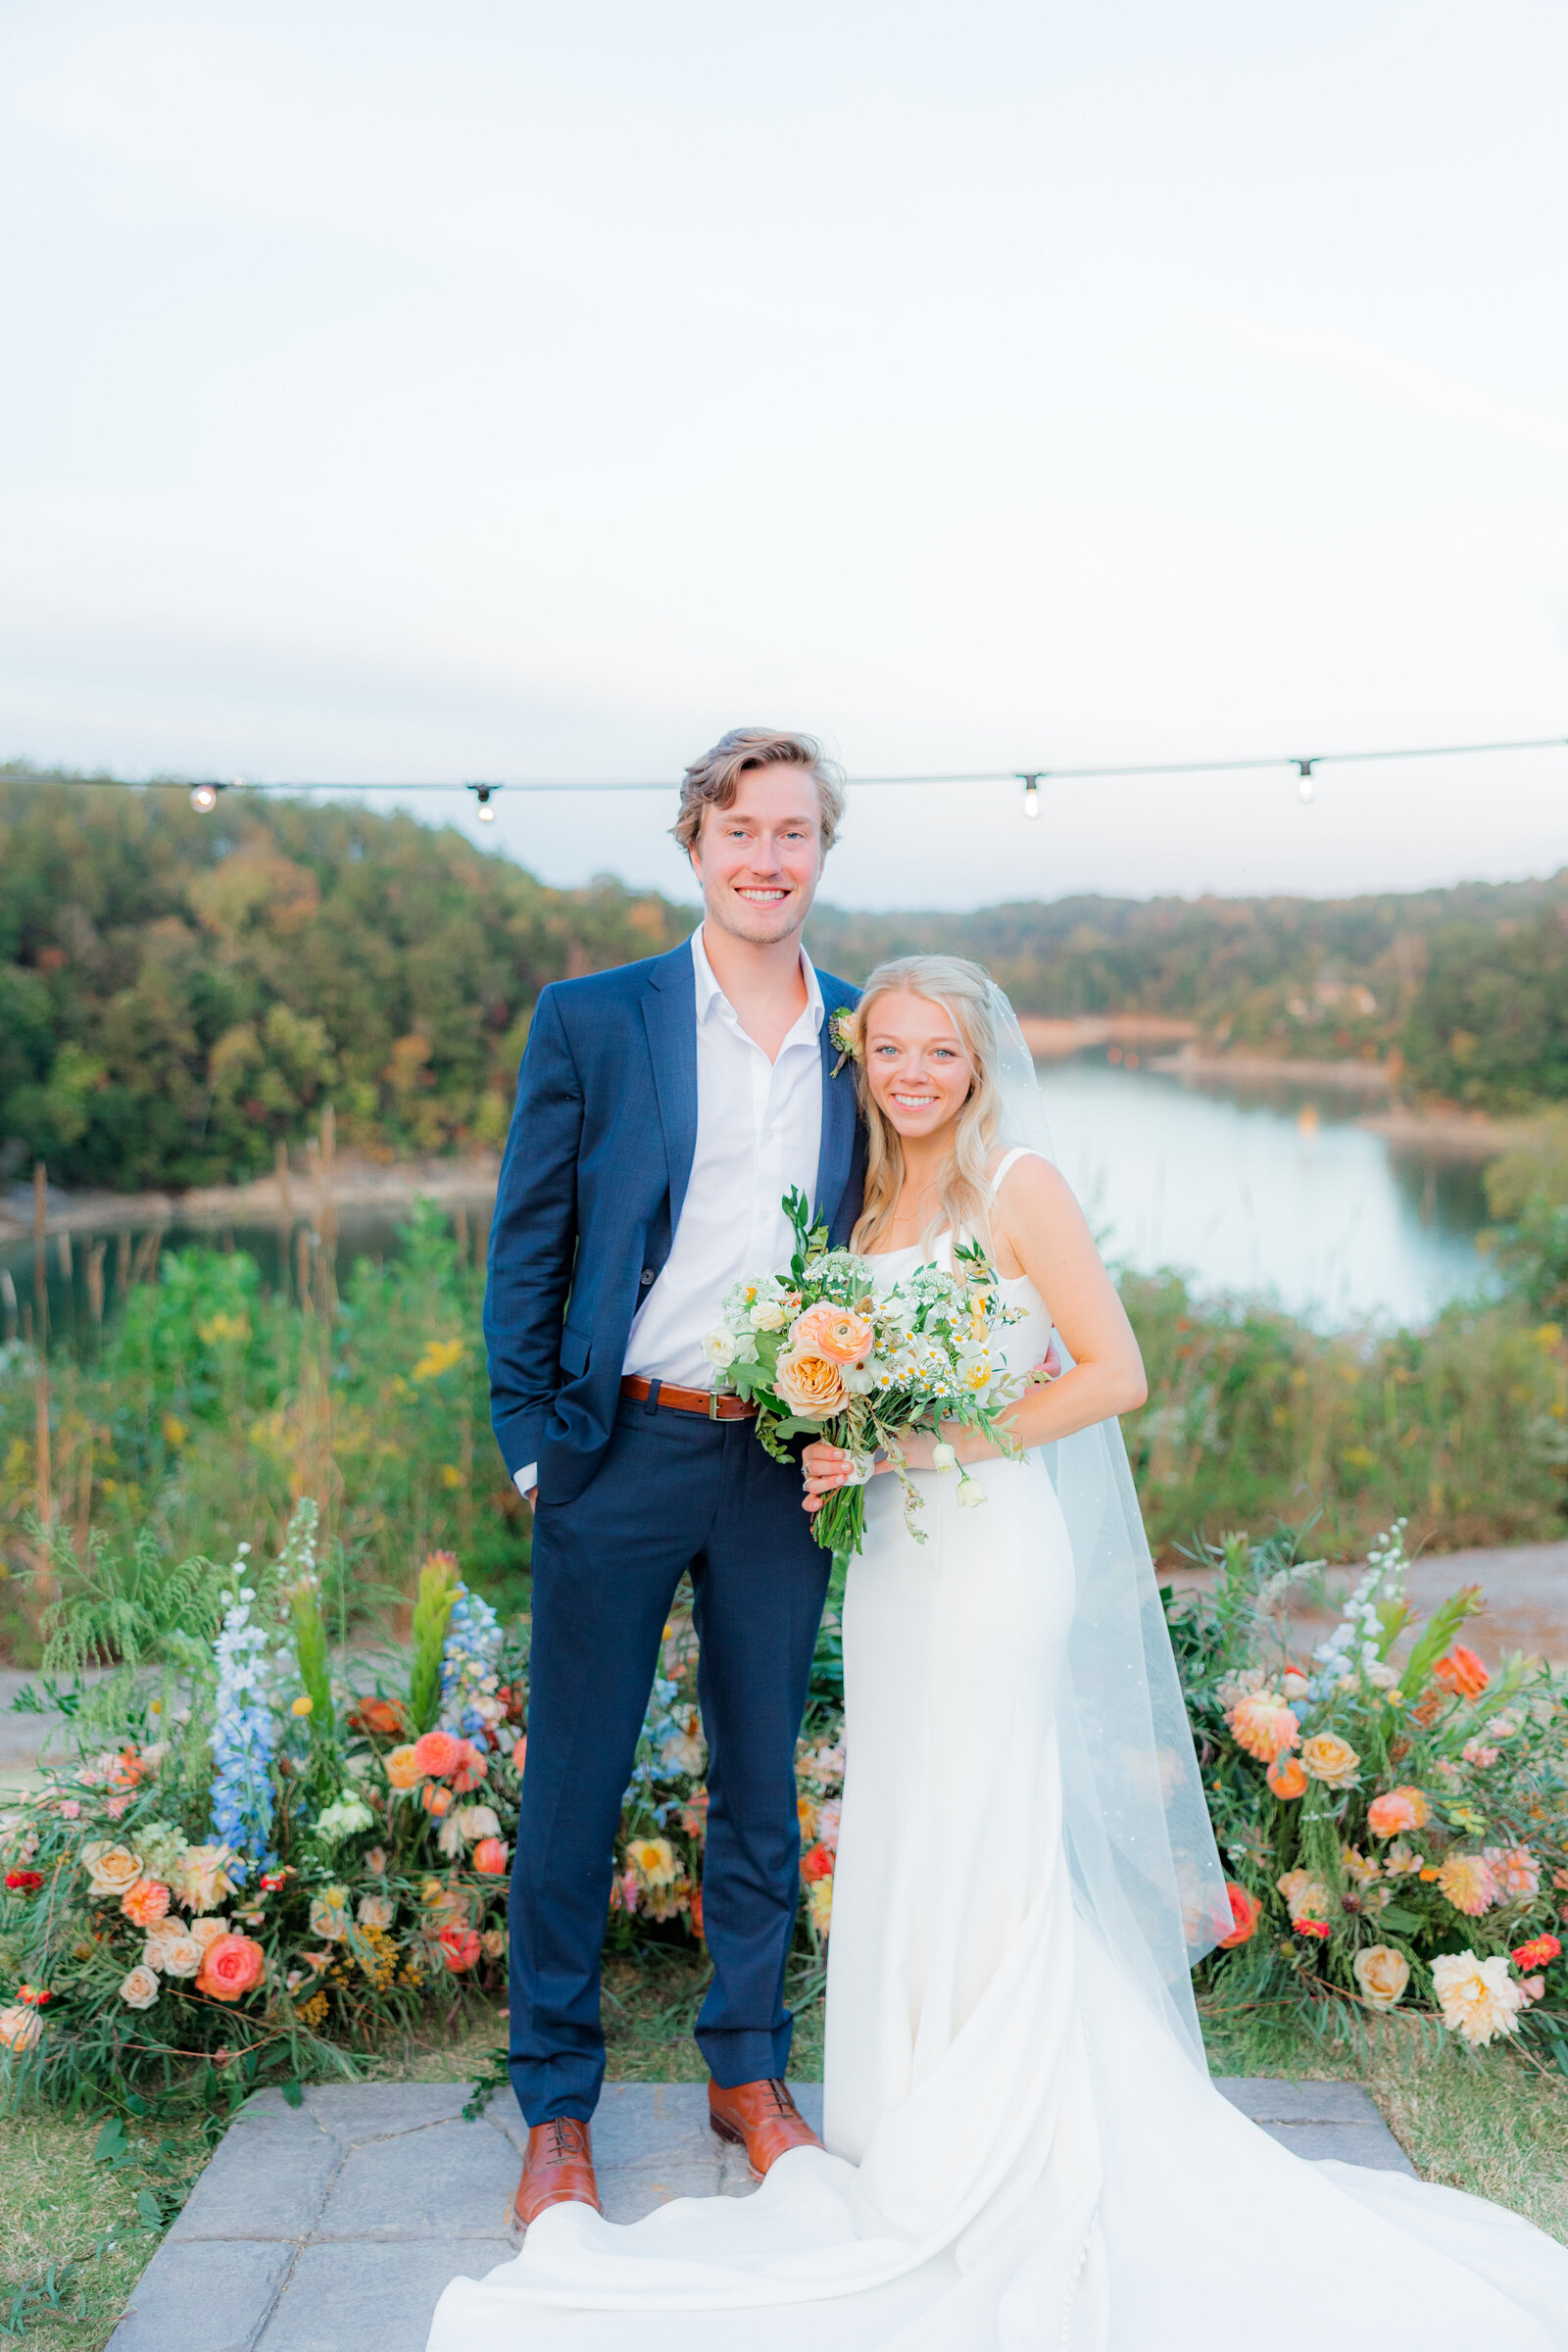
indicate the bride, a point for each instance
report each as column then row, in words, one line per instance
column 1023, row 2147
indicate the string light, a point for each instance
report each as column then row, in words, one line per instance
column 481, row 793
column 1031, row 790
column 1304, row 787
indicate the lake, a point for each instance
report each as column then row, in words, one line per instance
column 1274, row 1191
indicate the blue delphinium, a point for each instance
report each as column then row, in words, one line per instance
column 469, row 1657
column 244, row 1732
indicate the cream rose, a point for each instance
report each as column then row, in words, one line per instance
column 1331, row 1760
column 140, row 1988
column 1382, row 1974
column 206, row 1931
column 176, row 1955
column 810, row 1385
column 19, row 2026
column 111, row 1868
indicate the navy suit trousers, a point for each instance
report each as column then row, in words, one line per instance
column 675, row 1492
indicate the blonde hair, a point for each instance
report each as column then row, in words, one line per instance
column 709, row 782
column 964, row 993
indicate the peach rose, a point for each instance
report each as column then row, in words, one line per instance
column 1245, row 1911
column 140, row 1988
column 439, row 1754
column 812, row 1385
column 490, row 1857
column 460, row 1949
column 1265, row 1725
column 230, row 1966
column 1305, row 1897
column 1396, row 1811
column 835, row 1331
column 375, row 1911
column 436, row 1800
column 1382, row 1974
column 1461, row 1672
column 1331, row 1760
column 1286, row 1778
column 399, row 1767
column 175, row 1955
column 1467, row 1882
column 21, row 2027
column 111, row 1868
column 145, row 1901
column 208, row 1930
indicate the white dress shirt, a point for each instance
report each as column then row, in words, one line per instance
column 758, row 1131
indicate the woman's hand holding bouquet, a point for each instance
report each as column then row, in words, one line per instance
column 821, row 1353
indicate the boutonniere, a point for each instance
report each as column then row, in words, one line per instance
column 841, row 1030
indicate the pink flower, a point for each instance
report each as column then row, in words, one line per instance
column 473, row 1768
column 145, row 1902
column 440, row 1755
column 828, row 1818
column 1514, row 1870
column 115, row 1806
column 1475, row 1752
column 835, row 1331
column 230, row 1966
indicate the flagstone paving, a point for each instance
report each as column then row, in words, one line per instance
column 333, row 2226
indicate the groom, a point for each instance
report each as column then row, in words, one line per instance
column 662, row 1112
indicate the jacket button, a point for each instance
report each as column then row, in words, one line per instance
column 648, row 1276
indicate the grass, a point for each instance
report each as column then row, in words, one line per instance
column 1485, row 2120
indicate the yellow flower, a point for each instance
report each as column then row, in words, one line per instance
column 305, row 1704
column 1331, row 1760
column 1467, row 1882
column 1478, row 1999
column 1382, row 1974
column 223, row 1327
column 451, row 1474
column 173, row 1430
column 820, row 1900
column 439, row 1356
column 654, row 1860
column 399, row 1765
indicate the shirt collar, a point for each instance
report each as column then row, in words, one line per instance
column 709, row 993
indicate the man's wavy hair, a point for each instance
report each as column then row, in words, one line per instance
column 709, row 782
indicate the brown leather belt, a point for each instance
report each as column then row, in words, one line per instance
column 708, row 1402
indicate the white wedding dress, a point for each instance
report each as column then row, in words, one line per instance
column 1022, row 2155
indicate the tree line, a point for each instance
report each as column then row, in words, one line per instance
column 179, row 992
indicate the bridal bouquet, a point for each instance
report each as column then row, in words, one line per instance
column 821, row 1353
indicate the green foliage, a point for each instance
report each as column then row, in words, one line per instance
column 1490, row 1025
column 179, row 992
column 1527, row 1193
column 432, row 1613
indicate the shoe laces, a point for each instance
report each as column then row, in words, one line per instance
column 781, row 2097
column 563, row 2144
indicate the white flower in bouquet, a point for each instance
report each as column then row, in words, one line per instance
column 942, row 1456
column 174, row 1955
column 718, row 1348
column 341, row 1818
column 971, row 1494
column 770, row 1314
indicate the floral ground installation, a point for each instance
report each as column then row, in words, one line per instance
column 1396, row 1817
column 246, row 1865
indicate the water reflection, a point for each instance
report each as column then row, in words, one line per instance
column 1271, row 1190
column 1275, row 1191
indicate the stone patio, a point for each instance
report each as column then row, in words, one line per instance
column 333, row 2226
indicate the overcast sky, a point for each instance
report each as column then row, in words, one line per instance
column 513, row 390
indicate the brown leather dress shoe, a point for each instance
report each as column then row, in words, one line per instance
column 558, row 2170
column 762, row 2118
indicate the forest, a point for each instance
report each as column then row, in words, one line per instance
column 178, row 992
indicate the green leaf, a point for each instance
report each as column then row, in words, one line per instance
column 1403, row 1923
column 151, row 2211
column 293, row 2093
column 110, row 2142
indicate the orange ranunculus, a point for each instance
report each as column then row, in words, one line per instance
column 439, row 1754
column 1461, row 1672
column 1286, row 1776
column 145, row 1902
column 818, row 1864
column 473, row 1768
column 399, row 1768
column 696, row 1914
column 230, row 1966
column 1265, row 1725
column 1538, row 1952
column 519, row 1753
column 835, row 1331
column 811, row 1384
column 1316, row 1928
column 436, row 1800
column 1245, row 1911
column 385, row 1718
column 1330, row 1759
column 490, row 1857
column 1396, row 1811
column 460, row 1949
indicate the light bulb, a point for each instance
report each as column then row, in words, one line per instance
column 204, row 799
column 487, row 816
column 1031, row 794
column 1305, row 789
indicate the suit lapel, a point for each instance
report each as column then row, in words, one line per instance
column 838, row 1118
column 669, row 1015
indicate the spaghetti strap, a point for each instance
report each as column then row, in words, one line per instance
column 1018, row 1152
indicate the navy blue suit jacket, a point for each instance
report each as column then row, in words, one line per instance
column 596, row 1168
